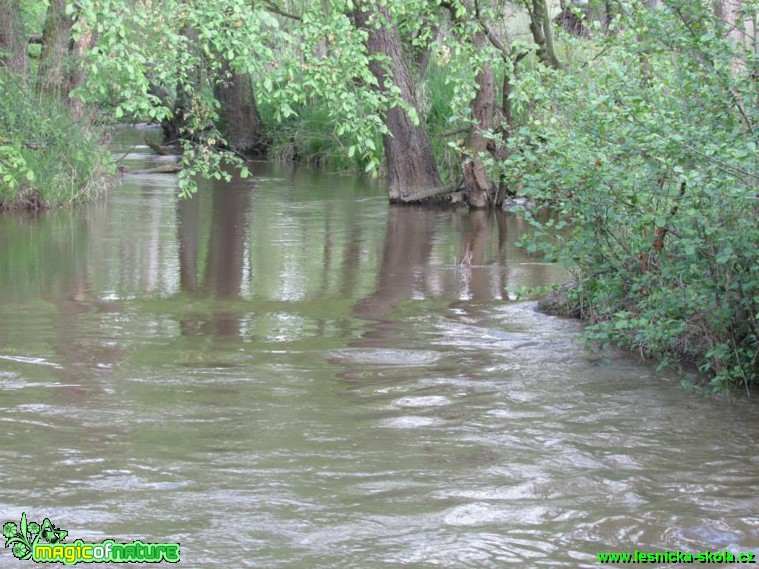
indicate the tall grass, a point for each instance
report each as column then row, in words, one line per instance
column 46, row 159
column 310, row 136
column 435, row 94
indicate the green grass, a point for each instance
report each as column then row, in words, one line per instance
column 435, row 94
column 310, row 137
column 46, row 159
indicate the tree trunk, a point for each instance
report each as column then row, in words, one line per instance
column 608, row 15
column 78, row 73
column 553, row 59
column 483, row 112
column 501, row 151
column 542, row 33
column 729, row 11
column 573, row 18
column 12, row 38
column 56, row 35
column 174, row 127
column 238, row 110
column 410, row 162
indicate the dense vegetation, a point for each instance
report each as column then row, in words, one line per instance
column 46, row 158
column 648, row 151
column 634, row 122
column 49, row 153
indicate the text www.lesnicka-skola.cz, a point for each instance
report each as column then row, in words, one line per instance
column 675, row 557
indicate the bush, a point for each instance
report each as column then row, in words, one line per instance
column 649, row 150
column 46, row 159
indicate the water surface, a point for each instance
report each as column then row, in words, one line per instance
column 287, row 372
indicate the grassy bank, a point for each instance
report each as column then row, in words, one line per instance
column 46, row 159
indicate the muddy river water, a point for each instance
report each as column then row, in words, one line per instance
column 286, row 372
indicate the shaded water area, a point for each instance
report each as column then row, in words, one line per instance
column 286, row 372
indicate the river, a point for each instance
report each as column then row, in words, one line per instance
column 286, row 372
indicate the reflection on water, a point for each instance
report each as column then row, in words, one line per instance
column 287, row 372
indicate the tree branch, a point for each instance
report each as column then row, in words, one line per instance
column 492, row 38
column 274, row 9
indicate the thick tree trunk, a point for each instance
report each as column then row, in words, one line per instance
column 410, row 162
column 175, row 127
column 238, row 110
column 12, row 38
column 56, row 36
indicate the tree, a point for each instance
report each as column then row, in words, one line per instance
column 12, row 38
column 489, row 53
column 649, row 147
column 238, row 109
column 410, row 162
column 542, row 32
column 82, row 42
column 56, row 37
column 466, row 19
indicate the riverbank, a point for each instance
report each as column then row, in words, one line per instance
column 47, row 160
column 689, row 337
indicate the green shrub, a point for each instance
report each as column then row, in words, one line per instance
column 649, row 151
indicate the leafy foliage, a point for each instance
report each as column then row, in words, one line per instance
column 648, row 151
column 45, row 159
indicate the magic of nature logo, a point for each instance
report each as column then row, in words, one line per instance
column 44, row 543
